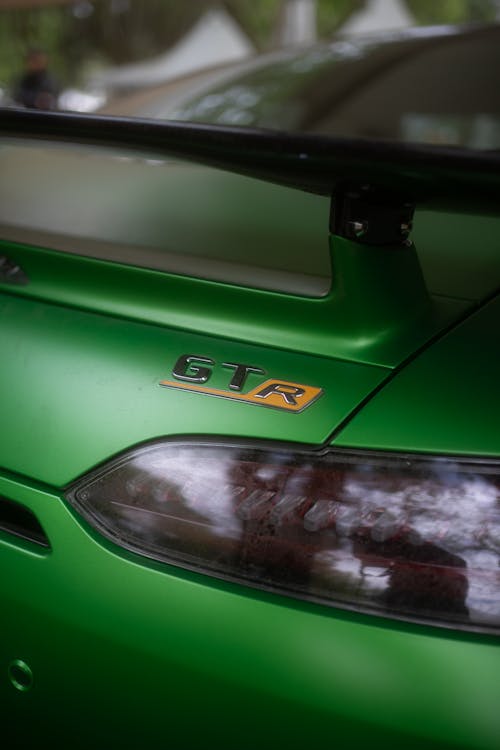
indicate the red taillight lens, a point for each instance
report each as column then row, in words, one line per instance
column 402, row 536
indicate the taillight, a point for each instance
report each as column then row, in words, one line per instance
column 402, row 536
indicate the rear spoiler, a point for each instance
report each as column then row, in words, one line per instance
column 428, row 176
column 378, row 308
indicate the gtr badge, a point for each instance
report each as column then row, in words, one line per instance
column 191, row 372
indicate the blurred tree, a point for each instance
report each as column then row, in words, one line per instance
column 83, row 34
column 257, row 18
column 333, row 13
column 97, row 32
column 262, row 19
column 127, row 30
column 22, row 29
column 428, row 12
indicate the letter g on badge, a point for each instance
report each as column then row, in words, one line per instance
column 187, row 368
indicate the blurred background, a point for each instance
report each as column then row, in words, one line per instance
column 93, row 53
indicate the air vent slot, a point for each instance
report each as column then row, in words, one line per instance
column 17, row 520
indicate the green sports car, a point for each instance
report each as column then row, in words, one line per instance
column 250, row 443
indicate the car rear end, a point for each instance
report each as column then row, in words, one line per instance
column 249, row 485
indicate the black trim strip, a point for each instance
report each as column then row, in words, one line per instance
column 21, row 522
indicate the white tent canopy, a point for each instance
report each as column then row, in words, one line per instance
column 214, row 40
column 379, row 16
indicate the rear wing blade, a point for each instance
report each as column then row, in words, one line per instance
column 432, row 177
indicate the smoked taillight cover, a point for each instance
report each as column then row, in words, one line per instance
column 406, row 536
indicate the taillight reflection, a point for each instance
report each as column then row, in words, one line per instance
column 402, row 536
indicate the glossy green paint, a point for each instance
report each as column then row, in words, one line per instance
column 81, row 387
column 84, row 386
column 446, row 401
column 124, row 652
column 129, row 653
column 380, row 293
column 458, row 253
column 329, row 326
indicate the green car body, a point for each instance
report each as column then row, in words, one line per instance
column 103, row 647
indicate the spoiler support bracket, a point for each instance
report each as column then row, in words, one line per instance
column 371, row 215
column 375, row 266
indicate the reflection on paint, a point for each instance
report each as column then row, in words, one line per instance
column 411, row 537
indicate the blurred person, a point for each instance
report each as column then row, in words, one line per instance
column 36, row 88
